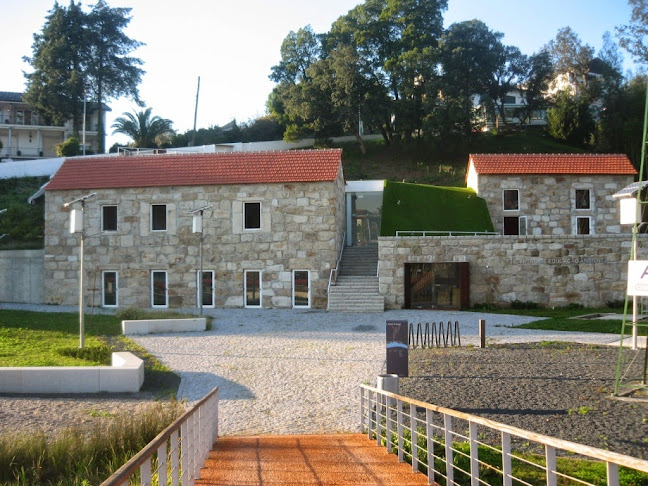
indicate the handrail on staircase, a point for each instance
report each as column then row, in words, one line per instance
column 335, row 271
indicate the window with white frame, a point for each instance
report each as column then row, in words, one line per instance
column 511, row 199
column 109, row 218
column 523, row 226
column 301, row 288
column 583, row 225
column 253, row 292
column 158, row 217
column 109, row 286
column 582, row 199
column 252, row 216
column 159, row 289
column 207, row 288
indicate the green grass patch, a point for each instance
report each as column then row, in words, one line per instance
column 82, row 456
column 418, row 207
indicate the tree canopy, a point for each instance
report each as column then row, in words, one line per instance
column 82, row 55
column 144, row 130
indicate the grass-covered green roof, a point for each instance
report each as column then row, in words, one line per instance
column 417, row 207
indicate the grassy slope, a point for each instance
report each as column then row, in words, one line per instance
column 23, row 223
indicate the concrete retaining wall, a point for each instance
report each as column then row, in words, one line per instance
column 21, row 276
column 155, row 326
column 125, row 375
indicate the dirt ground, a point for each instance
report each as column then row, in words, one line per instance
column 562, row 390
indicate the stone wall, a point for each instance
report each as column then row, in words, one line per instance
column 301, row 229
column 548, row 201
column 21, row 276
column 548, row 270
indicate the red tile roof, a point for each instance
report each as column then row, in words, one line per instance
column 198, row 169
column 617, row 164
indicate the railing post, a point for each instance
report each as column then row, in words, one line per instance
column 197, row 453
column 399, row 421
column 162, row 463
column 175, row 459
column 507, row 467
column 449, row 453
column 429, row 435
column 474, row 454
column 550, row 456
column 362, row 410
column 612, row 474
column 369, row 412
column 184, row 453
column 388, row 422
column 379, row 406
column 145, row 472
column 414, row 438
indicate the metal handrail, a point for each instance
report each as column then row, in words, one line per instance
column 186, row 442
column 425, row 233
column 395, row 419
column 332, row 281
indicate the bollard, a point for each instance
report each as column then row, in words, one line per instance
column 482, row 333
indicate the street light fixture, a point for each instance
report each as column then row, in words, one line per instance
column 198, row 228
column 76, row 226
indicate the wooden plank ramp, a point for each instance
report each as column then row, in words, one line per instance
column 296, row 460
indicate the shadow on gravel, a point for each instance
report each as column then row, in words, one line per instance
column 196, row 385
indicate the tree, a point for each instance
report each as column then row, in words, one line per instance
column 298, row 51
column 55, row 87
column 537, row 72
column 570, row 55
column 79, row 54
column 142, row 129
column 69, row 148
column 632, row 36
column 111, row 71
column 570, row 120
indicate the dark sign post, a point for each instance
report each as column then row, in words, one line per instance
column 397, row 348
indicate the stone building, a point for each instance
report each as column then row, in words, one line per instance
column 272, row 224
column 551, row 194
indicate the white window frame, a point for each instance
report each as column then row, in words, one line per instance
column 116, row 218
column 245, row 203
column 166, row 290
column 166, row 218
column 591, row 227
column 307, row 306
column 213, row 289
column 589, row 192
column 245, row 304
column 523, row 225
column 103, row 288
column 504, row 200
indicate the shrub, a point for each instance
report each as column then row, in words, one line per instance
column 518, row 304
column 96, row 354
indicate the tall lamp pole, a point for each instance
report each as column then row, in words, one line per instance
column 198, row 228
column 76, row 226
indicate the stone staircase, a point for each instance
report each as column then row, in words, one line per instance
column 357, row 284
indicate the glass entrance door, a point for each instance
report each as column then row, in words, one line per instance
column 366, row 211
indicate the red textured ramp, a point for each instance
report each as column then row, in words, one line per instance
column 292, row 460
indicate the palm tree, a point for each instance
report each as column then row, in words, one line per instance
column 143, row 129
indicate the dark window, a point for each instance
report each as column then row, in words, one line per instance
column 511, row 200
column 252, row 289
column 582, row 226
column 252, row 215
column 109, row 218
column 158, row 217
column 583, row 199
column 301, row 294
column 207, row 290
column 509, row 100
column 159, row 289
column 437, row 285
column 110, row 289
column 511, row 225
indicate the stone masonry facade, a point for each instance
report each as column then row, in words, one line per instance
column 301, row 229
column 549, row 270
column 549, row 201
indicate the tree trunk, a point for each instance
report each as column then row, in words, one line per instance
column 101, row 135
column 361, row 143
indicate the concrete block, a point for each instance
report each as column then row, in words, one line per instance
column 45, row 379
column 153, row 326
column 10, row 380
column 82, row 379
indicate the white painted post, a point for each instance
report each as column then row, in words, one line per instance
column 162, row 463
column 197, row 453
column 399, row 421
column 175, row 459
column 449, row 454
column 474, row 454
column 612, row 474
column 388, row 423
column 370, row 426
column 414, row 440
column 145, row 472
column 429, row 433
column 379, row 406
column 507, row 467
column 184, row 454
column 550, row 456
column 362, row 410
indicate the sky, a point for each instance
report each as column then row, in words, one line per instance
column 233, row 44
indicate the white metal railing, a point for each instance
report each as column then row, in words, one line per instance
column 334, row 272
column 425, row 434
column 405, row 233
column 176, row 455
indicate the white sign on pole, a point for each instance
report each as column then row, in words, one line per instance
column 638, row 278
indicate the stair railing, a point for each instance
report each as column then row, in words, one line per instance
column 335, row 272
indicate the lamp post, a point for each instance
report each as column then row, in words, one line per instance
column 84, row 122
column 76, row 226
column 198, row 228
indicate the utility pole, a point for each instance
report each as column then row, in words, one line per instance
column 193, row 135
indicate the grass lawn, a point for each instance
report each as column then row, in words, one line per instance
column 562, row 319
column 52, row 339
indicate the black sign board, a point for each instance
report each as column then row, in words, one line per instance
column 397, row 348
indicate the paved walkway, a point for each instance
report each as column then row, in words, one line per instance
column 323, row 460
